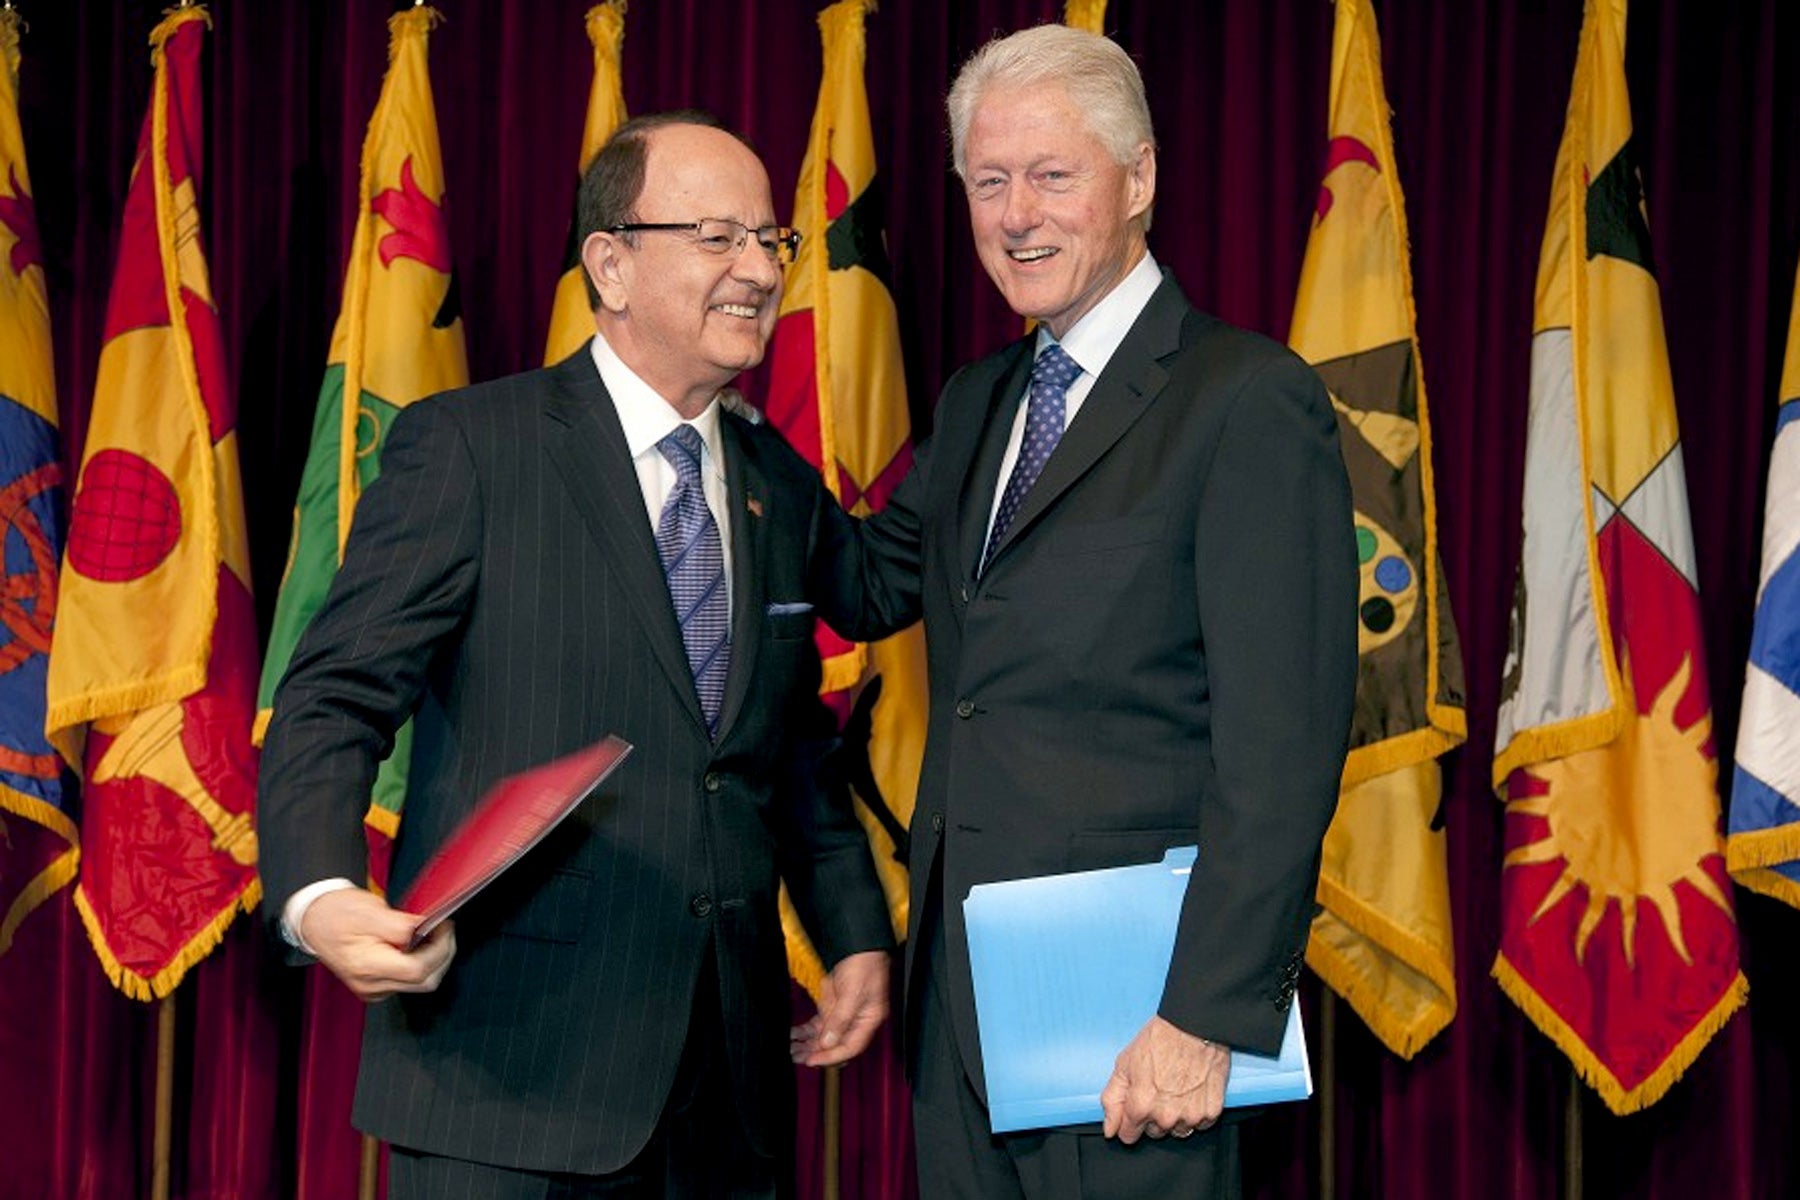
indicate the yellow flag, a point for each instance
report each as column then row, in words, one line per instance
column 1383, row 940
column 571, row 316
column 837, row 389
column 1085, row 14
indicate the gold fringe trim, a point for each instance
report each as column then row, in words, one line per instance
column 173, row 19
column 804, row 964
column 1405, row 1038
column 1404, row 750
column 259, row 729
column 417, row 21
column 1619, row 1099
column 10, row 21
column 166, row 980
column 1541, row 742
column 1762, row 848
column 95, row 703
column 1773, row 884
column 58, row 874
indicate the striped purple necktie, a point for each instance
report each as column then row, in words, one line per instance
column 1051, row 376
column 693, row 561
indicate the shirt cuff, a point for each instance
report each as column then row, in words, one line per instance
column 293, row 913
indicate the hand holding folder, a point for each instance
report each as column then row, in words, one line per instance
column 1067, row 969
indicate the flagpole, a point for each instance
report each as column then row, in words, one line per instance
column 369, row 1171
column 829, row 1150
column 1327, row 1094
column 1572, row 1142
column 163, row 1134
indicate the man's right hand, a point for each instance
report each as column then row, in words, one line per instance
column 361, row 941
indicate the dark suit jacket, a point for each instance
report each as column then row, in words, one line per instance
column 502, row 579
column 1162, row 651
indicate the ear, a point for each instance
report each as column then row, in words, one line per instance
column 608, row 267
column 1141, row 180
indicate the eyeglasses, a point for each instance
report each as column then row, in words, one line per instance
column 723, row 236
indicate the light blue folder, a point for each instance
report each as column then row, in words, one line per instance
column 1067, row 968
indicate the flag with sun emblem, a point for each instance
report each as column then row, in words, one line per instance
column 38, row 838
column 1763, row 847
column 1382, row 938
column 155, row 649
column 399, row 338
column 1618, row 937
column 571, row 316
column 837, row 389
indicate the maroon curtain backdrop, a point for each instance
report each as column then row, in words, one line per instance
column 1237, row 88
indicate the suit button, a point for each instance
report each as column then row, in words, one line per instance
column 701, row 905
column 937, row 822
column 711, row 781
column 965, row 708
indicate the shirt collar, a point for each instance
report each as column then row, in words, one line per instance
column 1092, row 341
column 645, row 416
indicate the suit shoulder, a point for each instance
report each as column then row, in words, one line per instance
column 773, row 454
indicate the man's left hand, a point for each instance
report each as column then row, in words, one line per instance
column 1165, row 1083
column 852, row 1005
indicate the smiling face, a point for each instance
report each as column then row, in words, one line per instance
column 1056, row 218
column 687, row 321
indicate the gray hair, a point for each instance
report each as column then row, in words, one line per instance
column 1097, row 74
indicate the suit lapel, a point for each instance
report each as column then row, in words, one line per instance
column 746, row 494
column 1132, row 379
column 587, row 446
column 984, row 446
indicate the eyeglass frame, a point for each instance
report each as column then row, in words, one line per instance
column 785, row 237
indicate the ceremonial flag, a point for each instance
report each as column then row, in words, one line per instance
column 571, row 315
column 155, row 647
column 1618, row 937
column 837, row 389
column 399, row 338
column 1085, row 14
column 1763, row 849
column 1383, row 940
column 38, row 839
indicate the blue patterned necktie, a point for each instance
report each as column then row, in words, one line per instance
column 693, row 561
column 1051, row 376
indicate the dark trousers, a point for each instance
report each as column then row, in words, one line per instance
column 959, row 1159
column 699, row 1150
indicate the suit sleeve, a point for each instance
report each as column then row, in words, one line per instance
column 1276, row 579
column 409, row 568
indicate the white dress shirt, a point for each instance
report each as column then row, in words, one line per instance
column 1091, row 342
column 646, row 419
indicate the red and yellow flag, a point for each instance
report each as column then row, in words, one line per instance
column 398, row 339
column 155, row 648
column 1383, row 939
column 38, row 838
column 1618, row 937
column 571, row 316
column 1085, row 14
column 837, row 389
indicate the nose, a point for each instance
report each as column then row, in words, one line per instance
column 754, row 266
column 1021, row 212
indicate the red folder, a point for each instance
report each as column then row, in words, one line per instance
column 512, row 817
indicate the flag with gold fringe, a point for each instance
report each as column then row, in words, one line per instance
column 1618, row 936
column 571, row 316
column 837, row 389
column 399, row 338
column 38, row 838
column 1085, row 14
column 155, row 647
column 1383, row 939
column 1762, row 845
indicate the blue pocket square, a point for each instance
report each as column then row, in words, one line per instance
column 783, row 607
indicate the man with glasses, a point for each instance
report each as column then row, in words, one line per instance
column 588, row 549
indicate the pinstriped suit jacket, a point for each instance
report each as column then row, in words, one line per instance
column 501, row 579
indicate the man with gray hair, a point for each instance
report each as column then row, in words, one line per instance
column 1131, row 542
